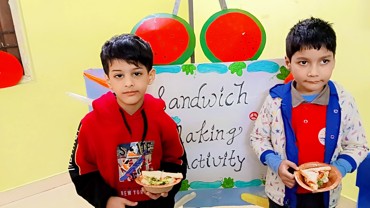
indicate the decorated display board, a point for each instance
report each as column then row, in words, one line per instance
column 214, row 106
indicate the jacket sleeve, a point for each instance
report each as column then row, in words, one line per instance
column 174, row 155
column 175, row 168
column 85, row 176
column 353, row 139
column 260, row 138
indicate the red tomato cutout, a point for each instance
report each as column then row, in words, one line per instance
column 11, row 70
column 232, row 35
column 172, row 39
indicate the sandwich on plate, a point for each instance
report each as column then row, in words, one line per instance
column 159, row 178
column 316, row 177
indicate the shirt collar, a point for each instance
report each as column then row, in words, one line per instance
column 321, row 99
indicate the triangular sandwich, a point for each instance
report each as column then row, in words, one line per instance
column 316, row 177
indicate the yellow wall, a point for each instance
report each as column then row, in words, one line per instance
column 38, row 120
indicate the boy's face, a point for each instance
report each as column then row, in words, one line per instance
column 311, row 69
column 129, row 83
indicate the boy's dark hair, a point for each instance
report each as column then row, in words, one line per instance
column 310, row 33
column 128, row 47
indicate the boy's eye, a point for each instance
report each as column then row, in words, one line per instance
column 137, row 74
column 325, row 61
column 303, row 62
column 118, row 76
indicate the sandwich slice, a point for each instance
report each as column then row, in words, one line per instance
column 316, row 177
column 159, row 177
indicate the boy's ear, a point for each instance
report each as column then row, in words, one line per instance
column 151, row 76
column 287, row 62
column 107, row 81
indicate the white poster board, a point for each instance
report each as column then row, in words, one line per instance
column 214, row 105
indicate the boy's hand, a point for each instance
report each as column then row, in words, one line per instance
column 285, row 174
column 154, row 196
column 118, row 202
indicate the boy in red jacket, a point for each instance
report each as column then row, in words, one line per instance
column 126, row 132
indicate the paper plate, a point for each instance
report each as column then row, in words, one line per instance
column 334, row 177
column 157, row 189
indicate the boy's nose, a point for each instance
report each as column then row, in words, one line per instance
column 313, row 71
column 128, row 82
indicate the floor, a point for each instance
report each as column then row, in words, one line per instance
column 60, row 197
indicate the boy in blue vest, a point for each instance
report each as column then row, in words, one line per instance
column 310, row 119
